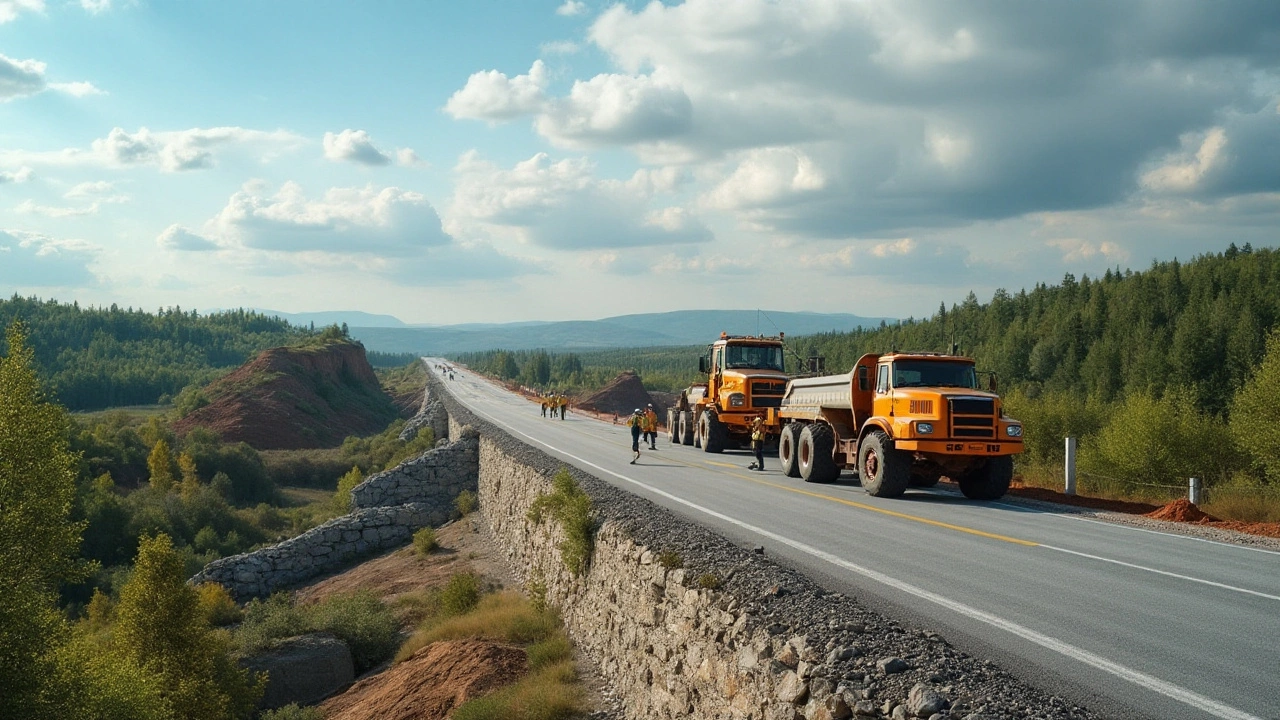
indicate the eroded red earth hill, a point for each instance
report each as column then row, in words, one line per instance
column 296, row 397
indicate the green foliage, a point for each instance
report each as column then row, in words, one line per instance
column 460, row 594
column 1159, row 441
column 662, row 368
column 361, row 621
column 537, row 590
column 38, row 541
column 217, row 606
column 293, row 711
column 341, row 503
column 385, row 450
column 550, row 651
column 1255, row 415
column 110, row 357
column 571, row 507
column 160, row 466
column 1051, row 417
column 424, row 541
column 465, row 503
column 160, row 627
column 710, row 581
column 670, row 559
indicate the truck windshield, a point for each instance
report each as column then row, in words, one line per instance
column 756, row 357
column 933, row 373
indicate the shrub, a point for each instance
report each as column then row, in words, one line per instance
column 342, row 496
column 293, row 711
column 571, row 507
column 547, row 694
column 361, row 621
column 266, row 621
column 424, row 541
column 670, row 559
column 460, row 594
column 465, row 503
column 506, row 617
column 216, row 604
column 550, row 651
column 537, row 590
column 710, row 581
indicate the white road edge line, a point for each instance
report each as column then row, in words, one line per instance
column 1141, row 679
column 1162, row 533
column 1160, row 572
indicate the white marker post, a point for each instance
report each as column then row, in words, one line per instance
column 1194, row 492
column 1071, row 467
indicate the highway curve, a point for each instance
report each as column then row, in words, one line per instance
column 1130, row 622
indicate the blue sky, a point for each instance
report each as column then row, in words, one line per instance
column 505, row 161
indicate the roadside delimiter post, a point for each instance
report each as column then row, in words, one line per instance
column 1071, row 467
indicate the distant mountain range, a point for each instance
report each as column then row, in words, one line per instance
column 335, row 317
column 684, row 327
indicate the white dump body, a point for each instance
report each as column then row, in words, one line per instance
column 827, row 391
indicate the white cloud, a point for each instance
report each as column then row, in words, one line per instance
column 96, row 6
column 21, row 175
column 354, row 146
column 1185, row 171
column 177, row 237
column 387, row 221
column 77, row 89
column 623, row 109
column 562, row 205
column 559, row 47
column 766, row 176
column 406, row 157
column 176, row 151
column 34, row 260
column 98, row 191
column 10, row 9
column 494, row 97
column 28, row 207
column 19, row 78
column 571, row 7
column 1075, row 250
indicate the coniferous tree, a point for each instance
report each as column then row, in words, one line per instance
column 1255, row 415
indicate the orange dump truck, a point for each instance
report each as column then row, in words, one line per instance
column 745, row 379
column 900, row 420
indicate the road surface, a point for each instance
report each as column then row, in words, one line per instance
column 1130, row 622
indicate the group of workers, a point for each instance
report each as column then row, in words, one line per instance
column 445, row 371
column 556, row 403
column 644, row 425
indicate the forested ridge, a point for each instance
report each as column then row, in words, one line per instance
column 98, row 357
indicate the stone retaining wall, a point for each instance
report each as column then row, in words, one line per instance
column 435, row 477
column 722, row 631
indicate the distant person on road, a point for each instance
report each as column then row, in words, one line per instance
column 636, row 422
column 757, row 443
column 651, row 422
column 543, row 398
column 564, row 405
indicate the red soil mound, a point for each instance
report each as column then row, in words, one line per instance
column 622, row 395
column 1181, row 510
column 1046, row 495
column 431, row 683
column 291, row 398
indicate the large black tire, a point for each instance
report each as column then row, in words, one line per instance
column 990, row 481
column 789, row 450
column 672, row 426
column 885, row 472
column 714, row 434
column 686, row 427
column 817, row 464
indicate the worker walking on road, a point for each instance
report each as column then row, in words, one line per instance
column 564, row 406
column 651, row 426
column 636, row 422
column 543, row 398
column 757, row 443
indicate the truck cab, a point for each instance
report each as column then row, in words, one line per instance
column 746, row 378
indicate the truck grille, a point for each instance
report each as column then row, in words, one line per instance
column 766, row 402
column 765, row 387
column 973, row 418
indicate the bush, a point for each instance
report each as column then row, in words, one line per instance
column 710, row 581
column 506, row 617
column 551, row 693
column 571, row 507
column 460, row 594
column 293, row 711
column 266, row 621
column 465, row 503
column 670, row 559
column 361, row 621
column 342, row 496
column 424, row 541
column 217, row 606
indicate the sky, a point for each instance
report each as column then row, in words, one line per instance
column 490, row 161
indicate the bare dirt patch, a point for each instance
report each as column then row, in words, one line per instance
column 431, row 683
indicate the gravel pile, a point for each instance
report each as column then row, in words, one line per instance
column 858, row 663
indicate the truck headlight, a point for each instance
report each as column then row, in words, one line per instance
column 1015, row 431
column 737, row 400
column 924, row 428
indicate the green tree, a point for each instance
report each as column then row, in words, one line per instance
column 38, row 541
column 160, row 465
column 1255, row 413
column 160, row 627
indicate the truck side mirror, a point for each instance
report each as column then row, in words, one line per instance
column 992, row 385
column 702, row 364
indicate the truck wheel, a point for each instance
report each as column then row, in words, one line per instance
column 884, row 470
column 788, row 444
column 990, row 481
column 672, row 430
column 686, row 427
column 714, row 434
column 817, row 440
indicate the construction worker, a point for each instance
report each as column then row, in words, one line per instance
column 564, row 406
column 543, row 399
column 651, row 419
column 636, row 422
column 757, row 443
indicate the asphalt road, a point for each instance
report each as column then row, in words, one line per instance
column 1130, row 622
